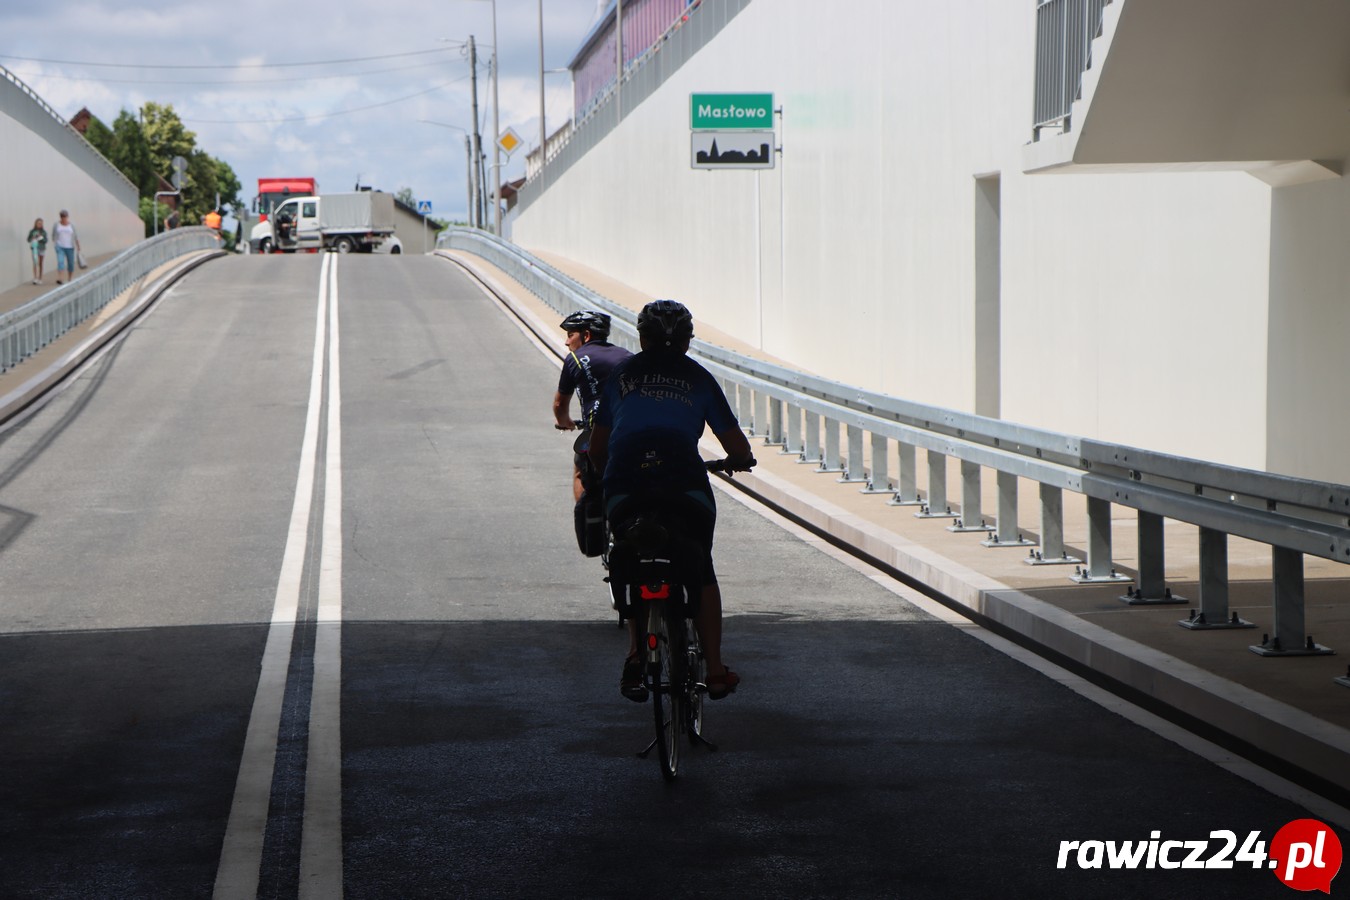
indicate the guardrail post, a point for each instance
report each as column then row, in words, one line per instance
column 907, row 490
column 1152, row 588
column 878, row 475
column 1290, row 639
column 1007, row 534
column 971, row 519
column 1213, row 611
column 812, row 455
column 775, row 436
column 793, row 441
column 759, row 422
column 831, row 461
column 1052, row 531
column 854, row 472
column 1099, row 567
column 936, row 507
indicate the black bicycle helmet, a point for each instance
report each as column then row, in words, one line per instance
column 597, row 323
column 665, row 322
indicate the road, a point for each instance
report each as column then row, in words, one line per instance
column 267, row 633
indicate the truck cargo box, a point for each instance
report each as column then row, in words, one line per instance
column 359, row 211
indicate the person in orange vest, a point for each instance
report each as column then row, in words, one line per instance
column 212, row 220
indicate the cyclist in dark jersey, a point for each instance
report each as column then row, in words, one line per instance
column 590, row 359
column 645, row 440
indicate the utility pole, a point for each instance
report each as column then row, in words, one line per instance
column 476, row 215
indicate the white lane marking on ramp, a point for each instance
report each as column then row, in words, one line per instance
column 237, row 874
column 321, row 836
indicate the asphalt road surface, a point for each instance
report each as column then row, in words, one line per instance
column 267, row 633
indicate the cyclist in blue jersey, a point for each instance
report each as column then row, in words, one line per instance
column 645, row 440
column 590, row 358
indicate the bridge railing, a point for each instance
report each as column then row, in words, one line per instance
column 28, row 328
column 827, row 423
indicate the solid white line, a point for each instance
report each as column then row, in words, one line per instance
column 241, row 855
column 321, row 835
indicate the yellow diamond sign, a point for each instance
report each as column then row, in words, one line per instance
column 509, row 141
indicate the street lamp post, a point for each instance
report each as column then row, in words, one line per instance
column 469, row 181
column 543, row 131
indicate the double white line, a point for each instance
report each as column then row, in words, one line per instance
column 321, row 835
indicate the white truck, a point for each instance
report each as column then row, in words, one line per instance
column 347, row 223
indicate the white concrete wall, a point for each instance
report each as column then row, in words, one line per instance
column 37, row 181
column 1132, row 307
column 1309, row 326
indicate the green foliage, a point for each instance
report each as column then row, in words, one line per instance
column 144, row 153
column 131, row 154
column 100, row 136
column 166, row 135
column 148, row 215
column 405, row 196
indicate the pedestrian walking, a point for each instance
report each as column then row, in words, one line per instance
column 37, row 242
column 67, row 243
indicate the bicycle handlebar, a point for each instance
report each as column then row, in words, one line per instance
column 728, row 467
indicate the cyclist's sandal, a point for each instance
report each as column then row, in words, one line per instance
column 631, row 684
column 721, row 685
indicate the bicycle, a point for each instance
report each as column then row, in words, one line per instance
column 593, row 534
column 655, row 575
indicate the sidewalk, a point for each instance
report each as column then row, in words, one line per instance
column 26, row 381
column 1288, row 711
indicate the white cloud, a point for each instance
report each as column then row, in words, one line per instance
column 335, row 128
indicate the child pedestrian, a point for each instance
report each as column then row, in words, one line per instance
column 37, row 241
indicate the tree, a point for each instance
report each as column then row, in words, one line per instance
column 405, row 196
column 131, row 154
column 100, row 136
column 166, row 135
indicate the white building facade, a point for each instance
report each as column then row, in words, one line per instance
column 1164, row 274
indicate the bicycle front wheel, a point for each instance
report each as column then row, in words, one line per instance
column 667, row 686
column 698, row 668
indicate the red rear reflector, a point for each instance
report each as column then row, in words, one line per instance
column 651, row 642
column 655, row 592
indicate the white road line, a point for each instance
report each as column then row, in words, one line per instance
column 321, row 836
column 241, row 854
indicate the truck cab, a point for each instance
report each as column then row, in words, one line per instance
column 296, row 225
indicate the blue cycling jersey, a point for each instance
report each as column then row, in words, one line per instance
column 585, row 372
column 656, row 406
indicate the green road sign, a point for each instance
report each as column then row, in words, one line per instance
column 721, row 112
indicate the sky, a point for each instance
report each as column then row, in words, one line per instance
column 335, row 91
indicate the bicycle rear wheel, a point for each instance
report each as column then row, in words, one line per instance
column 667, row 686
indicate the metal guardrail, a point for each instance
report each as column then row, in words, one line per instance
column 1065, row 30
column 806, row 414
column 27, row 329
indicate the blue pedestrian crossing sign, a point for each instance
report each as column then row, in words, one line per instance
column 424, row 207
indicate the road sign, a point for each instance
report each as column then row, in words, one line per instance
column 179, row 169
column 731, row 150
column 424, row 207
column 751, row 112
column 509, row 141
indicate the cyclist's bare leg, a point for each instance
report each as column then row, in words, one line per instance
column 577, row 486
column 708, row 623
